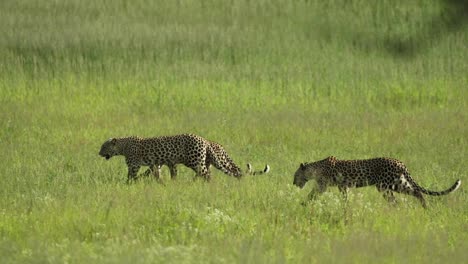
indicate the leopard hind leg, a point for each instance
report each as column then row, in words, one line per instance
column 407, row 187
column 420, row 197
column 387, row 194
column 204, row 172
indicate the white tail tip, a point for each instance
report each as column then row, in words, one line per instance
column 249, row 168
column 458, row 183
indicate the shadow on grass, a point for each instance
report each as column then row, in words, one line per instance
column 452, row 18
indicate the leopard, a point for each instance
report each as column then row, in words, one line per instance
column 389, row 175
column 191, row 150
column 218, row 153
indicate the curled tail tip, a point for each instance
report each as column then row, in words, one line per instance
column 454, row 187
column 457, row 184
column 251, row 171
column 249, row 168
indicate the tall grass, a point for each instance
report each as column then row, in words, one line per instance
column 276, row 81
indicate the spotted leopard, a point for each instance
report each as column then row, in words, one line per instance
column 387, row 174
column 217, row 153
column 191, row 150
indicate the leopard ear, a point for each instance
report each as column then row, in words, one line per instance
column 113, row 140
column 302, row 166
column 332, row 160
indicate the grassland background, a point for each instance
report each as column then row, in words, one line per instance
column 273, row 81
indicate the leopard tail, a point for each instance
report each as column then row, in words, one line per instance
column 252, row 172
column 434, row 193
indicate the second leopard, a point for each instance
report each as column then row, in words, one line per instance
column 387, row 174
column 191, row 150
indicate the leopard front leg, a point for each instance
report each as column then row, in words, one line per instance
column 321, row 188
column 153, row 169
column 173, row 171
column 132, row 172
column 156, row 170
column 344, row 192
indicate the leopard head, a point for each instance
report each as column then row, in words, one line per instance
column 313, row 170
column 109, row 148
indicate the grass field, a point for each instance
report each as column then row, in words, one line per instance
column 277, row 81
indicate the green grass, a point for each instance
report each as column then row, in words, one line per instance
column 277, row 81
